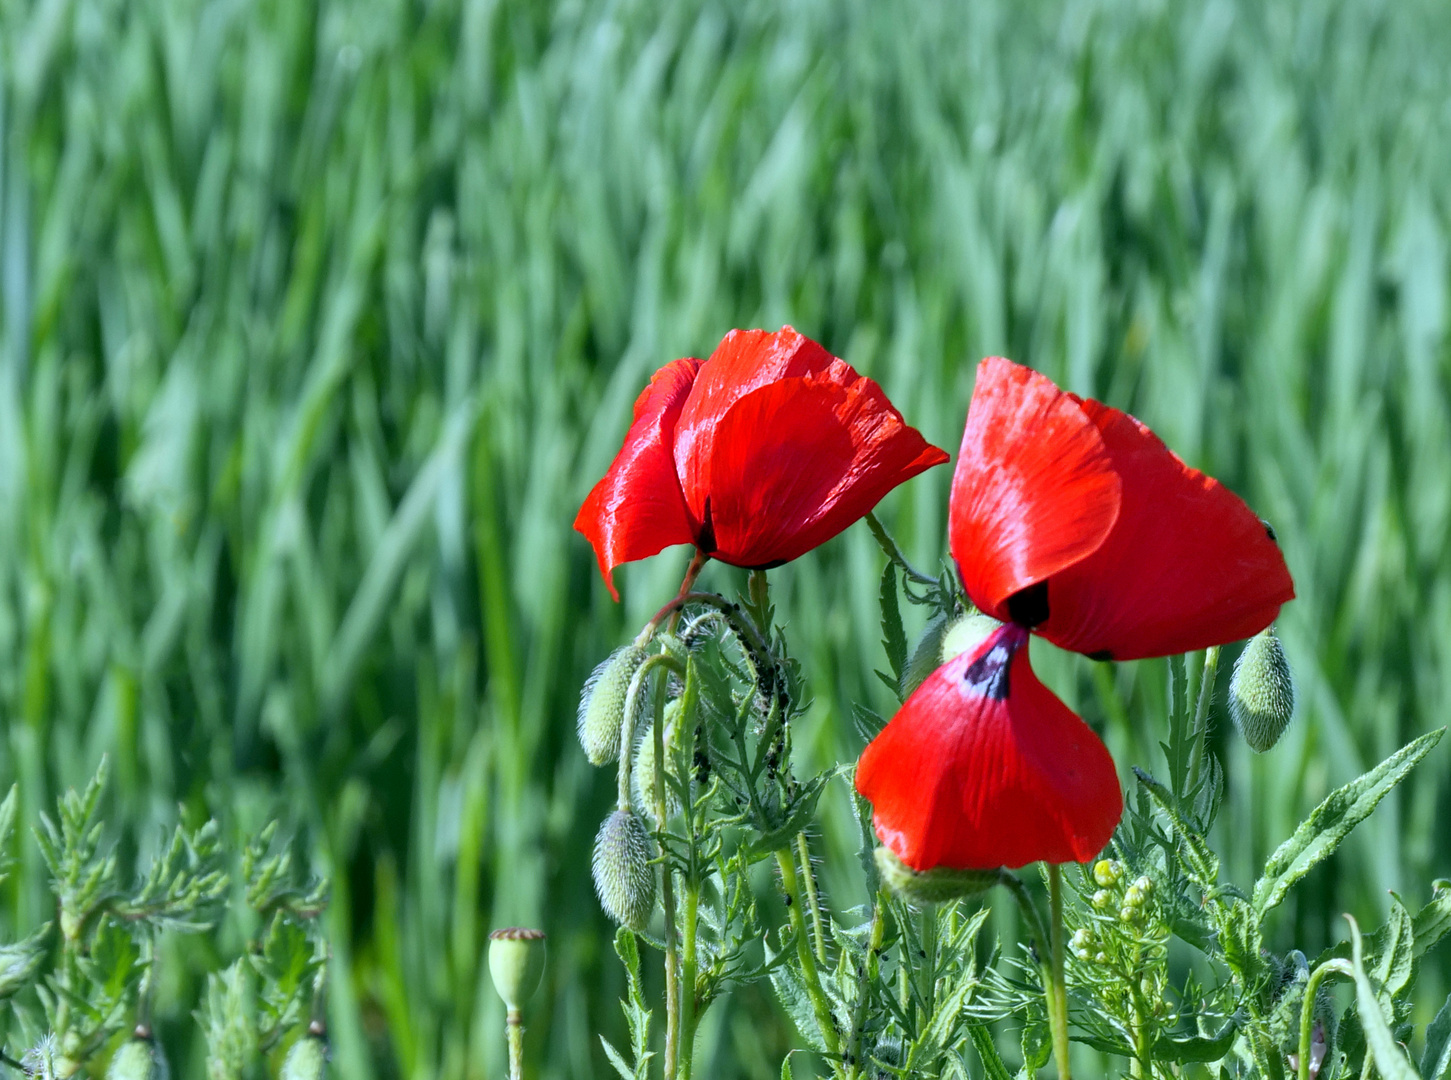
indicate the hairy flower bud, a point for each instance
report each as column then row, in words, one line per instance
column 926, row 655
column 642, row 772
column 889, row 1053
column 139, row 1058
column 623, row 875
column 939, row 885
column 966, row 634
column 602, row 703
column 1262, row 691
column 516, row 962
column 307, row 1059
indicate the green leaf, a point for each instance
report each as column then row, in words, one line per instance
column 987, row 1052
column 786, row 1068
column 1437, row 1057
column 798, row 816
column 20, row 961
column 1434, row 920
column 894, row 638
column 1200, row 1048
column 617, row 1060
column 1390, row 1058
column 1037, row 1045
column 1394, row 950
column 1331, row 821
column 794, row 999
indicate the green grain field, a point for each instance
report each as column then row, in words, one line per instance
column 319, row 318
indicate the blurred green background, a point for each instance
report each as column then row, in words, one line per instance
column 320, row 318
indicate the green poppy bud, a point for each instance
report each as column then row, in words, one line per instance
column 139, row 1058
column 1262, row 692
column 888, row 1053
column 602, row 703
column 966, row 634
column 624, row 878
column 516, row 961
column 926, row 655
column 307, row 1059
column 642, row 773
column 939, row 885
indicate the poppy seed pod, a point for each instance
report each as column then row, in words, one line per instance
column 516, row 962
column 642, row 773
column 937, row 886
column 307, row 1059
column 1262, row 691
column 602, row 703
column 623, row 876
column 139, row 1058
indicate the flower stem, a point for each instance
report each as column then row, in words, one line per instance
column 1307, row 1009
column 515, row 1029
column 866, row 979
column 824, row 1020
column 894, row 553
column 817, row 933
column 1201, row 713
column 667, row 898
column 686, row 990
column 1058, row 998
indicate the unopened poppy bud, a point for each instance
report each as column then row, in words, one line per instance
column 939, row 885
column 966, row 633
column 888, row 1053
column 1262, row 691
column 516, row 962
column 307, row 1059
column 642, row 772
column 139, row 1058
column 602, row 703
column 1107, row 872
column 926, row 655
column 623, row 876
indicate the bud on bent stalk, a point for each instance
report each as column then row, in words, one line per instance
column 307, row 1060
column 602, row 703
column 940, row 885
column 1262, row 691
column 139, row 1058
column 516, row 963
column 624, row 878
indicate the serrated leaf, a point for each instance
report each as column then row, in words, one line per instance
column 1394, row 954
column 987, row 1052
column 1331, row 821
column 617, row 1060
column 894, row 638
column 786, row 1068
column 1197, row 1048
column 1390, row 1058
column 20, row 961
column 1437, row 1056
column 1433, row 921
column 1037, row 1045
column 802, row 811
column 794, row 999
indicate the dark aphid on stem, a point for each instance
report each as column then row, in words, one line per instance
column 623, row 875
column 1262, row 691
column 602, row 703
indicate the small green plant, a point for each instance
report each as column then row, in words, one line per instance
column 93, row 972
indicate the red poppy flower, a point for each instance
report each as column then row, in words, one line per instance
column 984, row 767
column 1071, row 519
column 757, row 455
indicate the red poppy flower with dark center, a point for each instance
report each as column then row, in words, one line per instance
column 757, row 455
column 1071, row 519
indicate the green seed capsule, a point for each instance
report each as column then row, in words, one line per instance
column 624, row 878
column 937, row 886
column 139, row 1058
column 307, row 1060
column 926, row 655
column 516, row 962
column 642, row 772
column 966, row 634
column 602, row 703
column 1262, row 691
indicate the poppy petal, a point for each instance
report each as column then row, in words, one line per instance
column 1187, row 565
column 983, row 766
column 744, row 361
column 1035, row 489
column 637, row 509
column 797, row 461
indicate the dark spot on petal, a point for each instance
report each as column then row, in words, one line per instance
column 988, row 674
column 705, row 535
column 1029, row 607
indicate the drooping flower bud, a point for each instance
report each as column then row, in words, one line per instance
column 939, row 885
column 516, row 962
column 966, row 633
column 623, row 875
column 642, row 773
column 602, row 703
column 307, row 1059
column 139, row 1058
column 888, row 1053
column 1262, row 691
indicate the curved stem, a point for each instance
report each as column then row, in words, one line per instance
column 1307, row 1009
column 627, row 722
column 732, row 612
column 1058, row 1000
column 667, row 899
column 1201, row 713
column 824, row 1020
column 894, row 553
column 817, row 932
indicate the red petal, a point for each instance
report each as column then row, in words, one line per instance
column 984, row 767
column 1187, row 565
column 637, row 509
column 1035, row 490
column 744, row 361
column 798, row 460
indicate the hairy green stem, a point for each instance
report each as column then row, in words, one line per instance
column 1307, row 1010
column 1201, row 713
column 809, row 877
column 515, row 1028
column 667, row 899
column 688, row 967
column 867, row 978
column 824, row 1020
column 894, row 553
column 1058, row 999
